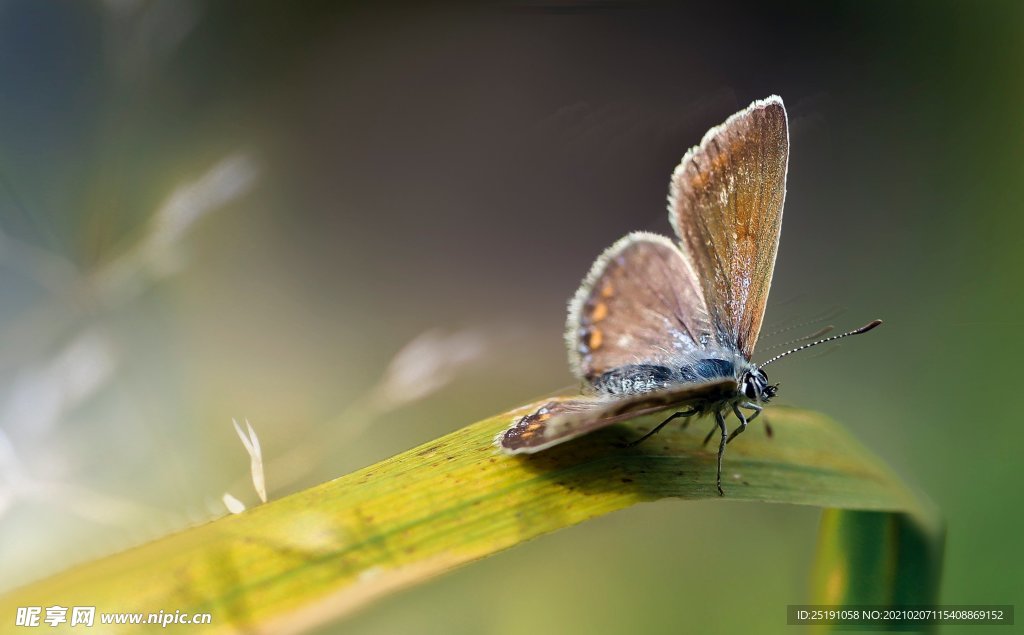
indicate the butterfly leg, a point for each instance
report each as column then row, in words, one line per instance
column 710, row 432
column 688, row 414
column 743, row 422
column 676, row 415
column 750, row 405
column 720, row 419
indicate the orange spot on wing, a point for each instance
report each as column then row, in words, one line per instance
column 607, row 290
column 600, row 312
column 594, row 339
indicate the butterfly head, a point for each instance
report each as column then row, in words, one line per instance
column 755, row 385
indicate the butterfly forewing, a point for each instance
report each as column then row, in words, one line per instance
column 726, row 207
column 641, row 303
column 559, row 421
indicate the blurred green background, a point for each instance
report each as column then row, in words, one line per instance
column 357, row 226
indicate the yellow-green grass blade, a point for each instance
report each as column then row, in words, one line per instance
column 323, row 552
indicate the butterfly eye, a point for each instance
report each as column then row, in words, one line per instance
column 751, row 387
column 755, row 386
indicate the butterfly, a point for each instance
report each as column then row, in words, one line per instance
column 659, row 325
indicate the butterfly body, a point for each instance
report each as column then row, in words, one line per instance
column 640, row 378
column 659, row 325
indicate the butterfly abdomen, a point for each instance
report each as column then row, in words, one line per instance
column 633, row 379
column 640, row 378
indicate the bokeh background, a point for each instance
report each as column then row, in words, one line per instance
column 357, row 226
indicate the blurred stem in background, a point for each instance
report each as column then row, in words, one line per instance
column 47, row 386
column 423, row 366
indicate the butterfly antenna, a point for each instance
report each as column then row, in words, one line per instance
column 822, row 332
column 786, row 326
column 864, row 329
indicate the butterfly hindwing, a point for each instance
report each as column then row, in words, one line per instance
column 558, row 421
column 726, row 208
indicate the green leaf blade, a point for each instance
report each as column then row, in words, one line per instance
column 329, row 550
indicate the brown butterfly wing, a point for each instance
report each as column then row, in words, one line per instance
column 559, row 421
column 640, row 303
column 726, row 207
